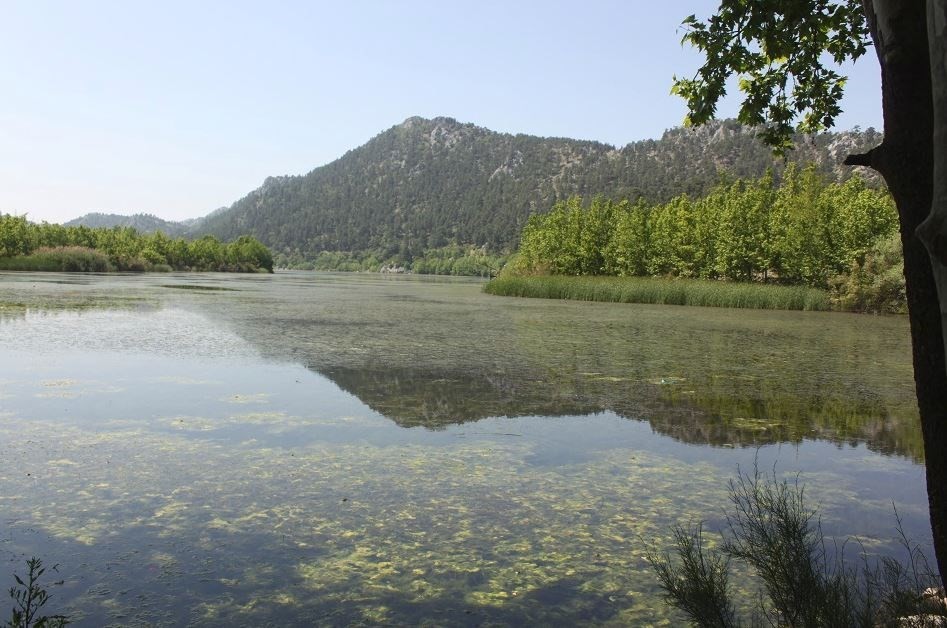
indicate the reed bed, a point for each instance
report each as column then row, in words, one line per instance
column 662, row 291
column 59, row 259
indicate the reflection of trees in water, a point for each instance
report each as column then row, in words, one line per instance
column 434, row 400
column 739, row 421
column 415, row 398
column 698, row 375
column 18, row 310
column 433, row 355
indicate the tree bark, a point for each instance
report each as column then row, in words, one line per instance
column 906, row 161
column 933, row 232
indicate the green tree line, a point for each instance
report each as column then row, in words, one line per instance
column 452, row 259
column 802, row 229
column 44, row 246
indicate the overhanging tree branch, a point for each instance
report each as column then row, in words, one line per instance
column 860, row 159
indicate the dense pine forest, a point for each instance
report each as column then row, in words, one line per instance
column 51, row 247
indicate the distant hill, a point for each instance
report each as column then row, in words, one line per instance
column 145, row 223
column 426, row 183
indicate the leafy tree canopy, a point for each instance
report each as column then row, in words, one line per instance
column 781, row 52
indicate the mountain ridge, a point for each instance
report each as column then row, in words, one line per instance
column 142, row 222
column 426, row 183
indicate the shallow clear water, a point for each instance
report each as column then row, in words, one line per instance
column 333, row 449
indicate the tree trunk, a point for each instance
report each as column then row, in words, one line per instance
column 933, row 232
column 906, row 161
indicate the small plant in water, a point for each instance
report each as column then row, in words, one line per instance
column 30, row 597
column 771, row 529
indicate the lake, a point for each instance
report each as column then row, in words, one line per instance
column 335, row 449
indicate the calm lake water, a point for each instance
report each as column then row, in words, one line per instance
column 309, row 448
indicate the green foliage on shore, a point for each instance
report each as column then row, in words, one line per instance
column 458, row 260
column 70, row 259
column 876, row 283
column 800, row 230
column 662, row 291
column 453, row 259
column 51, row 247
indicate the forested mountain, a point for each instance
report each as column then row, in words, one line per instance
column 426, row 183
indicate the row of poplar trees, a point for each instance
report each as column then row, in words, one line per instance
column 799, row 229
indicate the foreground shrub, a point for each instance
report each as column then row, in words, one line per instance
column 29, row 598
column 770, row 529
column 876, row 284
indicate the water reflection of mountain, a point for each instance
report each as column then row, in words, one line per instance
column 432, row 355
column 435, row 354
column 413, row 398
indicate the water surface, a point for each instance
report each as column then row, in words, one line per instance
column 311, row 448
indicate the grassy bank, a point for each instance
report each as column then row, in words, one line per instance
column 662, row 291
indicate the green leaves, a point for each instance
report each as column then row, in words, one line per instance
column 571, row 239
column 14, row 235
column 127, row 249
column 779, row 50
column 803, row 230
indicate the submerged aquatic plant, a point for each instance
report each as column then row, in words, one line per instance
column 771, row 530
column 30, row 597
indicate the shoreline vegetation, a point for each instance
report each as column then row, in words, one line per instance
column 801, row 242
column 663, row 291
column 25, row 246
column 452, row 259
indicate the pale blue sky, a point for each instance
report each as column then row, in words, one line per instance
column 176, row 108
